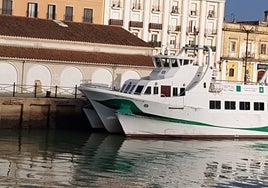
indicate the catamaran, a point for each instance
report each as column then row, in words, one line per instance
column 183, row 98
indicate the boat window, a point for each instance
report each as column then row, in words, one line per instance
column 174, row 62
column 131, row 89
column 127, row 88
column 165, row 91
column 155, row 90
column 123, row 88
column 181, row 62
column 244, row 105
column 165, row 62
column 182, row 91
column 175, row 91
column 185, row 62
column 229, row 105
column 148, row 90
column 138, row 90
column 157, row 62
column 258, row 106
column 216, row 105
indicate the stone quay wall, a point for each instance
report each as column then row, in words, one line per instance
column 38, row 113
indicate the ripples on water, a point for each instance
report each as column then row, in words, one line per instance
column 80, row 159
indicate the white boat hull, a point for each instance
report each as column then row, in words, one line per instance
column 141, row 126
column 93, row 118
column 108, row 118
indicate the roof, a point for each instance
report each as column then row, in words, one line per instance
column 82, row 32
column 75, row 56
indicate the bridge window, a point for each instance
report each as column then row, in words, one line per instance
column 148, row 90
column 138, row 90
column 175, row 91
column 174, row 62
column 156, row 90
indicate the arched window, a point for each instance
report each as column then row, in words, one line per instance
column 231, row 72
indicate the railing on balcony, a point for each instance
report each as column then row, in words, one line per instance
column 68, row 18
column 174, row 28
column 155, row 26
column 6, row 11
column 155, row 43
column 135, row 24
column 88, row 19
column 115, row 22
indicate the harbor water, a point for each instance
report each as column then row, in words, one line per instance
column 40, row 158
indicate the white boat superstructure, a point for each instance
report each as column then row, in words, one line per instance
column 181, row 97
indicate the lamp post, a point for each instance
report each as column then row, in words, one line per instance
column 246, row 57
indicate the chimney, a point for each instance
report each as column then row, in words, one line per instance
column 266, row 16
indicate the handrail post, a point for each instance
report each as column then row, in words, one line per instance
column 75, row 92
column 56, row 90
column 35, row 89
column 14, row 89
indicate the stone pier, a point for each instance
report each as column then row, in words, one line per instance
column 33, row 113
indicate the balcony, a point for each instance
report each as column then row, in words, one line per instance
column 213, row 48
column 136, row 24
column 174, row 28
column 156, row 26
column 155, row 43
column 116, row 22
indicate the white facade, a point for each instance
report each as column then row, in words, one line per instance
column 170, row 24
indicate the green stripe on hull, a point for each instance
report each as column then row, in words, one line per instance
column 127, row 107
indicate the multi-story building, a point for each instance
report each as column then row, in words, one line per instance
column 66, row 10
column 244, row 50
column 166, row 24
column 170, row 24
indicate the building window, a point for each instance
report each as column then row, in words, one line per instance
column 211, row 11
column 172, row 42
column 175, row 7
column 215, row 105
column 156, row 5
column 232, row 46
column 51, row 12
column 193, row 10
column 231, row 72
column 116, row 3
column 192, row 28
column 88, row 15
column 258, row 106
column 7, row 7
column 263, row 49
column 136, row 4
column 244, row 105
column 68, row 13
column 32, row 10
column 229, row 105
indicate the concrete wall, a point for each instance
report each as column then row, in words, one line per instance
column 36, row 113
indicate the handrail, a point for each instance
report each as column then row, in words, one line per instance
column 38, row 91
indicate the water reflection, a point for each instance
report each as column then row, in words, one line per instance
column 81, row 159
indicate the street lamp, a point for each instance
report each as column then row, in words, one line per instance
column 246, row 57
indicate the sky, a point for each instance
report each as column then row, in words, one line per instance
column 245, row 10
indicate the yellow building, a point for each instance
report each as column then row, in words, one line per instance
column 244, row 55
column 67, row 10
